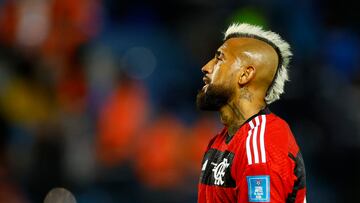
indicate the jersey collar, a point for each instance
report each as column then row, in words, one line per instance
column 264, row 111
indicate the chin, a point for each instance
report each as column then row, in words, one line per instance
column 213, row 97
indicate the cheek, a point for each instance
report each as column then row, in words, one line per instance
column 224, row 76
column 216, row 73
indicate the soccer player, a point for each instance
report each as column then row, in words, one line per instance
column 255, row 158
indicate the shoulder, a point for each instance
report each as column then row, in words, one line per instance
column 277, row 130
column 268, row 136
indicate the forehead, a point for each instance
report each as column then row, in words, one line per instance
column 231, row 47
column 237, row 43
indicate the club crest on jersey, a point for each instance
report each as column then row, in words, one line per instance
column 258, row 188
column 219, row 171
column 216, row 168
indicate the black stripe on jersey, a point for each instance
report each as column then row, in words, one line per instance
column 216, row 167
column 300, row 173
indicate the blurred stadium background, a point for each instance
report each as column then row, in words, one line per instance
column 98, row 96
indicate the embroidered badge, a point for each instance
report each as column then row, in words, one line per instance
column 219, row 171
column 258, row 188
column 216, row 169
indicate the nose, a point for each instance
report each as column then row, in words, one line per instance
column 207, row 68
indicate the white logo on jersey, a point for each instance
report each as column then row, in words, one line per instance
column 219, row 171
column 204, row 165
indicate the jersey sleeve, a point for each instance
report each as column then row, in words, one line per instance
column 260, row 183
column 263, row 172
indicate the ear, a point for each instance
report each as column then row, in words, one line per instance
column 246, row 75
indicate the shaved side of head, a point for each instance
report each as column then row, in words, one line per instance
column 281, row 48
column 258, row 54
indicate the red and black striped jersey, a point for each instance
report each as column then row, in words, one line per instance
column 260, row 163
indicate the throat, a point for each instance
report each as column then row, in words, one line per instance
column 232, row 117
column 232, row 130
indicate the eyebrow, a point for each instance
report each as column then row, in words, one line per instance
column 218, row 53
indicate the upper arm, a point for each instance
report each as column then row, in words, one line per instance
column 259, row 183
column 260, row 178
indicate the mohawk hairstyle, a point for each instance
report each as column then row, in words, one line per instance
column 281, row 47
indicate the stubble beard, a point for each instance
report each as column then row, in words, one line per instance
column 213, row 98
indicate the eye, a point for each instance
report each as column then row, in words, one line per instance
column 219, row 56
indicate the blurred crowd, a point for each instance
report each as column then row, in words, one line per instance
column 98, row 96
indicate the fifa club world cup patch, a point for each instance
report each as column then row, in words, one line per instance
column 258, row 188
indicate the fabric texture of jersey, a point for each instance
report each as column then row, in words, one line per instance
column 260, row 163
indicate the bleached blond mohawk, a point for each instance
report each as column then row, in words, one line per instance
column 281, row 47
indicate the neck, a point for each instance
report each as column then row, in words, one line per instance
column 237, row 112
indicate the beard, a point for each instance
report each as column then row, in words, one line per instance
column 213, row 98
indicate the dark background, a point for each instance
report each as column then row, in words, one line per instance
column 99, row 96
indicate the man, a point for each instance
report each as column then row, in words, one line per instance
column 255, row 157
